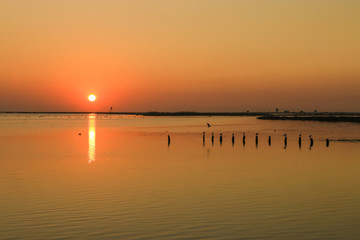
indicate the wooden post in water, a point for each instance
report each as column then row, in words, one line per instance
column 256, row 139
column 269, row 140
column 327, row 142
column 233, row 139
column 168, row 139
column 220, row 138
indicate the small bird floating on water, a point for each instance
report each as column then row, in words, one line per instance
column 285, row 139
column 208, row 124
column 311, row 141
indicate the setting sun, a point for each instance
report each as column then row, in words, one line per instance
column 92, row 98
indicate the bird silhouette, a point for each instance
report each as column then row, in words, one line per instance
column 208, row 124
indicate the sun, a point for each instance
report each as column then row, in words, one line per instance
column 92, row 98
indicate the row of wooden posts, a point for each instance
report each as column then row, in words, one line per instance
column 257, row 139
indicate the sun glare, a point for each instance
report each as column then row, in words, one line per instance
column 92, row 98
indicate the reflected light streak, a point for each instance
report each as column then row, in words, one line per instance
column 92, row 136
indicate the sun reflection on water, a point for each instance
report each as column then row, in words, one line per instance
column 92, row 136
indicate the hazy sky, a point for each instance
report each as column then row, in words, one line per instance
column 209, row 55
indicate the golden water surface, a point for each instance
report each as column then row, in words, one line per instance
column 116, row 177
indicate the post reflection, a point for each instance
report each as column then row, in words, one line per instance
column 92, row 136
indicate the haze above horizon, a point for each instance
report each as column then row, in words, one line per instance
column 169, row 56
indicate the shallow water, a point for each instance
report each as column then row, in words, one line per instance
column 121, row 180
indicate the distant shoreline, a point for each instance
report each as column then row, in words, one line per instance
column 348, row 118
column 302, row 116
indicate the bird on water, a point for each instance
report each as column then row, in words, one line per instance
column 300, row 139
column 168, row 139
column 285, row 139
column 212, row 138
column 203, row 136
column 233, row 139
column 243, row 138
column 208, row 124
column 311, row 141
column 220, row 138
column 269, row 140
column 256, row 139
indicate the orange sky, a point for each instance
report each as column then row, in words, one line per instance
column 207, row 55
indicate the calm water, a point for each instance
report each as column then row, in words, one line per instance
column 121, row 180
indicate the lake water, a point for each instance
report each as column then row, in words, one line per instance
column 120, row 179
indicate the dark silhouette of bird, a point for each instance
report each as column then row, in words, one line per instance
column 256, row 139
column 168, row 139
column 212, row 138
column 327, row 142
column 311, row 141
column 300, row 139
column 244, row 138
column 221, row 138
column 233, row 139
column 79, row 134
column 203, row 136
column 285, row 139
column 208, row 124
